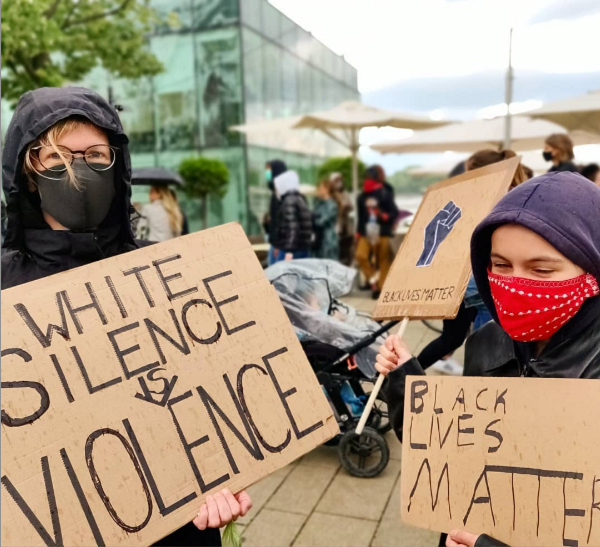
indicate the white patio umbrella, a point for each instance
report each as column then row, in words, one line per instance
column 574, row 114
column 527, row 134
column 343, row 123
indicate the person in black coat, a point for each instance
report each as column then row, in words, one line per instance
column 558, row 148
column 529, row 239
column 273, row 169
column 294, row 219
column 66, row 174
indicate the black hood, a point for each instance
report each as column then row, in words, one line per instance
column 278, row 167
column 564, row 209
column 36, row 112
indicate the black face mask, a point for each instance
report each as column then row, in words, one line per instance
column 547, row 155
column 76, row 209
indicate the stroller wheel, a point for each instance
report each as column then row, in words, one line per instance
column 365, row 455
column 380, row 418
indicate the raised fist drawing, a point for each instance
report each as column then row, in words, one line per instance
column 437, row 230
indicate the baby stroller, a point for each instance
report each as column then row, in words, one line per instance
column 341, row 345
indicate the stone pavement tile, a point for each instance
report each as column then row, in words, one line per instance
column 323, row 530
column 273, row 529
column 392, row 511
column 263, row 490
column 394, row 533
column 322, row 456
column 360, row 498
column 395, row 446
column 302, row 489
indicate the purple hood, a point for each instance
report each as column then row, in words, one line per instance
column 561, row 207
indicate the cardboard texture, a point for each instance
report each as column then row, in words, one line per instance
column 516, row 458
column 430, row 273
column 173, row 372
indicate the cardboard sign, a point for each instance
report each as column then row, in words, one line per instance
column 430, row 273
column 135, row 386
column 516, row 458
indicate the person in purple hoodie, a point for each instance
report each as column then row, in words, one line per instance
column 543, row 235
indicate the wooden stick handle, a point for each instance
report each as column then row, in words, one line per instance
column 377, row 387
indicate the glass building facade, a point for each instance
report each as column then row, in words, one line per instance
column 229, row 62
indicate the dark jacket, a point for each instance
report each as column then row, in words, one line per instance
column 385, row 205
column 294, row 224
column 563, row 208
column 37, row 250
column 564, row 166
column 277, row 168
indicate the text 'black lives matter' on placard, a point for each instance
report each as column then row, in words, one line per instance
column 134, row 387
column 516, row 458
column 430, row 273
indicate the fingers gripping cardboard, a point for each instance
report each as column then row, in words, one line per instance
column 133, row 387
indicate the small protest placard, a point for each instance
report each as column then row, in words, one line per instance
column 430, row 273
column 135, row 386
column 516, row 458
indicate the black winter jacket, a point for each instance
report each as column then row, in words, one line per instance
column 294, row 224
column 37, row 250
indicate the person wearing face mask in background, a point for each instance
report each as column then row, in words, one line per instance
column 273, row 169
column 66, row 174
column 558, row 149
column 530, row 244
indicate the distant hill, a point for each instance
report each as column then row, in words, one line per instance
column 460, row 97
column 405, row 183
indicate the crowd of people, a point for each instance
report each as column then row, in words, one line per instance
column 67, row 174
column 329, row 230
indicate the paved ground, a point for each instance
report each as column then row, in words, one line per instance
column 315, row 502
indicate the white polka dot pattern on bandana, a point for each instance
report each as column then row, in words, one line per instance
column 531, row 310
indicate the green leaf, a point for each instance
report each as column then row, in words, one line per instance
column 231, row 536
column 50, row 42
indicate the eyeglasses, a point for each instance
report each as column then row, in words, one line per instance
column 99, row 157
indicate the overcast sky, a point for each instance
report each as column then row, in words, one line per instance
column 450, row 55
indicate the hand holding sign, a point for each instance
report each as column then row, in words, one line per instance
column 437, row 230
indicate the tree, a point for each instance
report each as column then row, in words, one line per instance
column 404, row 182
column 204, row 177
column 343, row 166
column 53, row 42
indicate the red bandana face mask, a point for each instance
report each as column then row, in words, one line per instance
column 530, row 310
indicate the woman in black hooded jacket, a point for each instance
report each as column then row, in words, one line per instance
column 543, row 235
column 66, row 175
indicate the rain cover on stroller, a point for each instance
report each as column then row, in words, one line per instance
column 309, row 290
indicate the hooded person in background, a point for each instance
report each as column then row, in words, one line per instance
column 273, row 169
column 294, row 219
column 377, row 215
column 558, row 149
column 544, row 234
column 66, row 174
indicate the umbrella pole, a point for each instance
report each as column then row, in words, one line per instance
column 354, row 151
